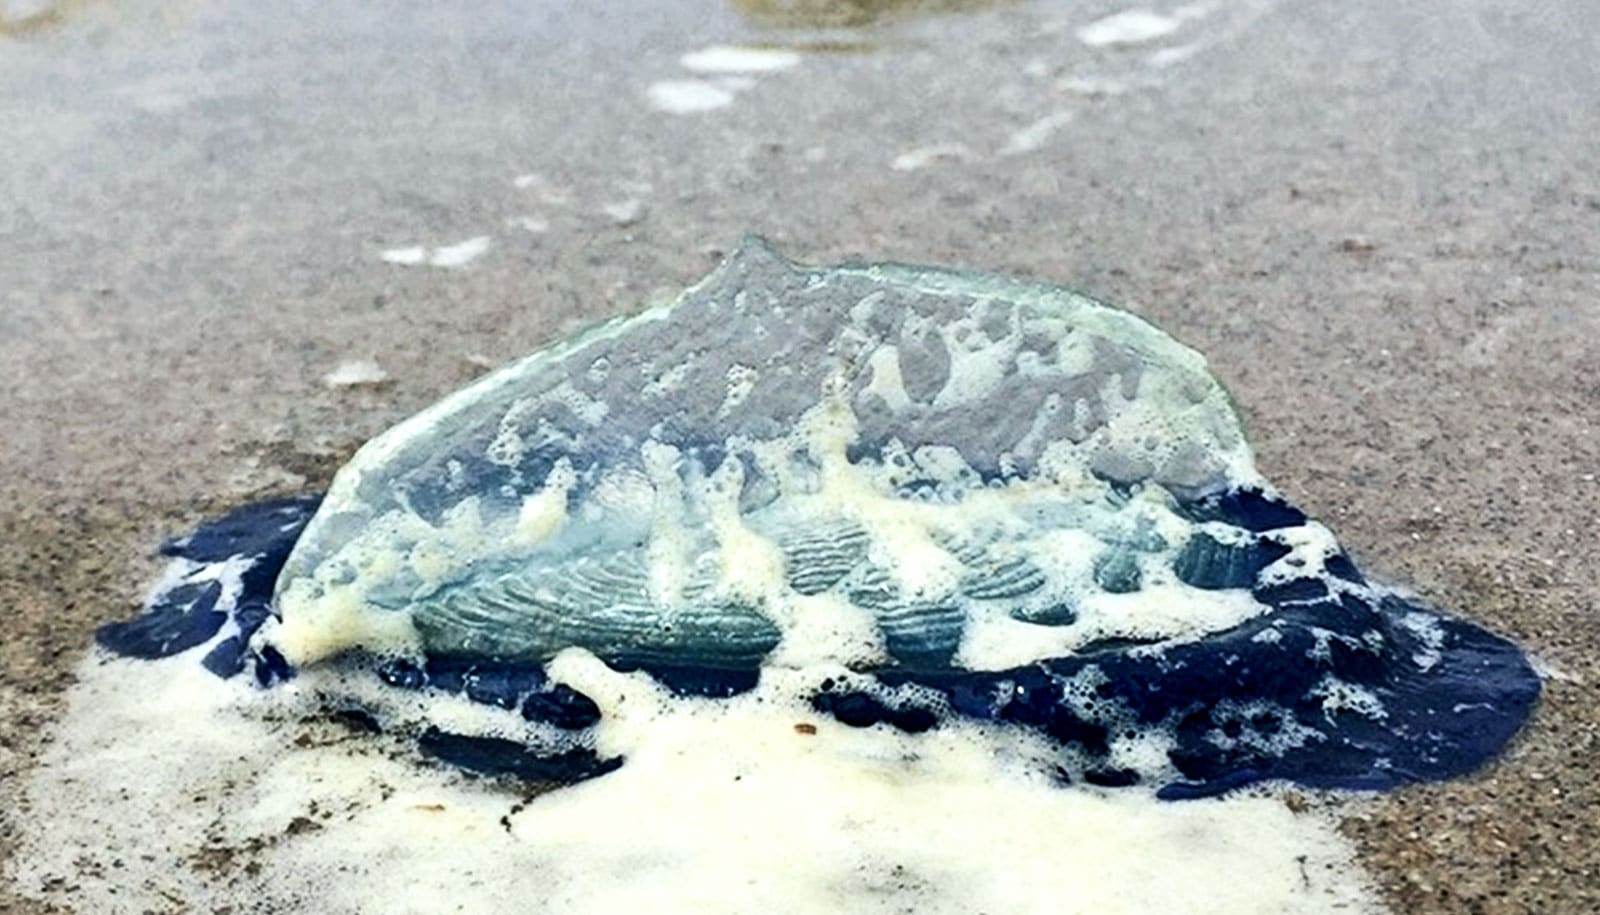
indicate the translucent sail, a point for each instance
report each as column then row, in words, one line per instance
column 878, row 464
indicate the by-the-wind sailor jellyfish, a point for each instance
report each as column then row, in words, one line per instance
column 947, row 494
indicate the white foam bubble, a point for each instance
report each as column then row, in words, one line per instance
column 408, row 256
column 456, row 255
column 461, row 253
column 534, row 224
column 164, row 783
column 1129, row 27
column 688, row 96
column 356, row 373
column 924, row 156
column 736, row 59
column 1166, row 57
column 1036, row 135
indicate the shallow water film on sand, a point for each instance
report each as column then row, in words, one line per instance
column 861, row 588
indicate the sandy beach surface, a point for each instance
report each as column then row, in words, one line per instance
column 237, row 239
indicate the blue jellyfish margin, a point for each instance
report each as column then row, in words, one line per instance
column 1342, row 684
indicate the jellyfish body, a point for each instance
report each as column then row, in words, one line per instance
column 950, row 494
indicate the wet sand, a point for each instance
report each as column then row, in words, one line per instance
column 1382, row 227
